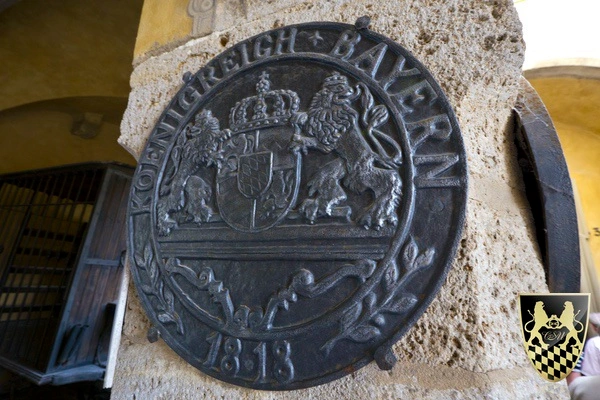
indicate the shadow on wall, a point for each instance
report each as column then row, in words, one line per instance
column 62, row 131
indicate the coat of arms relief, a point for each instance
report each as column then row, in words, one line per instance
column 297, row 206
column 248, row 175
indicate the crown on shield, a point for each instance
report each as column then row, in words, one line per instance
column 267, row 108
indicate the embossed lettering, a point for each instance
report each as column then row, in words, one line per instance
column 165, row 130
column 142, row 186
column 215, row 342
column 232, row 347
column 164, row 134
column 140, row 204
column 420, row 94
column 431, row 178
column 188, row 96
column 228, row 63
column 344, row 47
column 207, row 78
column 437, row 127
column 261, row 354
column 397, row 71
column 262, row 47
column 370, row 60
column 230, row 363
column 171, row 120
column 244, row 54
column 283, row 369
column 145, row 178
column 154, row 152
column 167, row 125
column 282, row 39
column 176, row 111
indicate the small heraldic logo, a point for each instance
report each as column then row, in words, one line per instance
column 554, row 326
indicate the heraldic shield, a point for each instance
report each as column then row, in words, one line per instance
column 255, row 172
column 258, row 181
column 554, row 328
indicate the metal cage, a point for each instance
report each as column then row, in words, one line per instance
column 62, row 232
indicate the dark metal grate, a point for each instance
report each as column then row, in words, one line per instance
column 43, row 220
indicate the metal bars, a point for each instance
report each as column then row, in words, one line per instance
column 43, row 219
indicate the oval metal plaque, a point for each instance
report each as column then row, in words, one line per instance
column 297, row 206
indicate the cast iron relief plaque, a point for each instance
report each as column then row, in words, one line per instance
column 297, row 206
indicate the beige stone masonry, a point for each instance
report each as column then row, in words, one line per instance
column 468, row 343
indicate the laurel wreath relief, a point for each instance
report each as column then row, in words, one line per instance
column 360, row 323
column 157, row 288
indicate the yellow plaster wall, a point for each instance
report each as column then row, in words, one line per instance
column 574, row 105
column 162, row 22
column 62, row 48
column 41, row 138
column 58, row 60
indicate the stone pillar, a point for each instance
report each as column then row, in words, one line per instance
column 468, row 343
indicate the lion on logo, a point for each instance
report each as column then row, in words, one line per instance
column 540, row 319
column 567, row 319
column 368, row 159
column 181, row 190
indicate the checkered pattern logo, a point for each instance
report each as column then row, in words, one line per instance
column 554, row 328
column 555, row 363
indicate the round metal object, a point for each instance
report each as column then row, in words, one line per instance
column 544, row 170
column 297, row 206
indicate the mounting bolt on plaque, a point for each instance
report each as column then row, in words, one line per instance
column 362, row 22
column 153, row 334
column 187, row 76
column 385, row 358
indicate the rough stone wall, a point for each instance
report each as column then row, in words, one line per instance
column 467, row 344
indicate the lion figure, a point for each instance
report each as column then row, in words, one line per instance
column 567, row 320
column 182, row 191
column 540, row 319
column 363, row 164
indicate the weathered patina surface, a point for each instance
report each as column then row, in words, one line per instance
column 297, row 206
